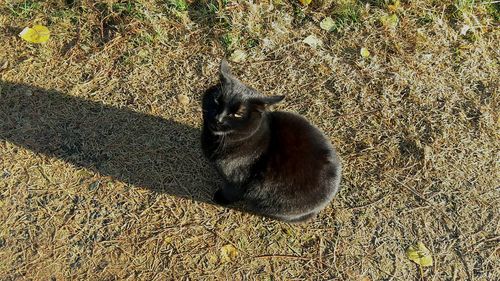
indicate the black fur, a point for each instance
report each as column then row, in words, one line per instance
column 277, row 163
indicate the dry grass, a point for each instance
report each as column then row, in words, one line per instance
column 101, row 175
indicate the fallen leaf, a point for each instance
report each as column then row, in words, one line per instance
column 238, row 56
column 305, row 2
column 143, row 53
column 327, row 24
column 4, row 65
column 37, row 34
column 228, row 253
column 419, row 254
column 364, row 52
column 390, row 21
column 394, row 7
column 313, row 41
column 183, row 99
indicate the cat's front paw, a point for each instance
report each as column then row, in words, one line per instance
column 220, row 199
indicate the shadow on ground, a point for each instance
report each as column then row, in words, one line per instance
column 135, row 148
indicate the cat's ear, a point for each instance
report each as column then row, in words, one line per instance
column 225, row 72
column 270, row 100
column 262, row 101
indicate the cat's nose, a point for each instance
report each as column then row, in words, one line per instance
column 219, row 118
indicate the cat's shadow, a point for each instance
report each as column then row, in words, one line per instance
column 135, row 148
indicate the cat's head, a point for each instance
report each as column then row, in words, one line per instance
column 234, row 109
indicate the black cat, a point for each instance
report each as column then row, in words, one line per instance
column 277, row 163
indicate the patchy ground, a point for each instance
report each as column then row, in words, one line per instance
column 101, row 175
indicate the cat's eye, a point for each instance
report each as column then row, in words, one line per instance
column 235, row 115
column 239, row 112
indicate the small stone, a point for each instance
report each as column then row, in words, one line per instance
column 183, row 99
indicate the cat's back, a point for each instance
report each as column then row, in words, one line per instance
column 297, row 133
column 299, row 150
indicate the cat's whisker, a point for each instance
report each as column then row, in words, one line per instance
column 220, row 146
column 222, row 133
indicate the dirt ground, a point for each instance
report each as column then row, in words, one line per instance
column 101, row 173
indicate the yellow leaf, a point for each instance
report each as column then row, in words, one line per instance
column 37, row 34
column 327, row 24
column 238, row 56
column 394, row 7
column 419, row 254
column 364, row 52
column 228, row 253
column 305, row 2
column 389, row 21
column 183, row 99
column 313, row 41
